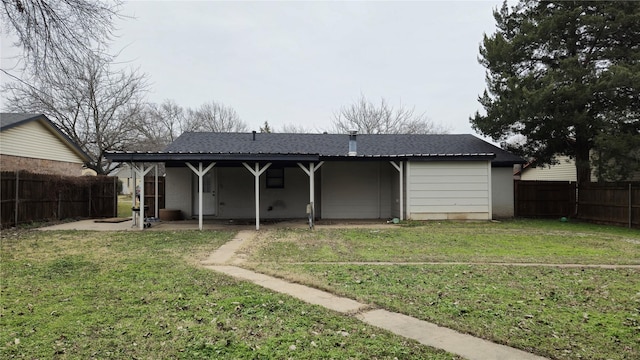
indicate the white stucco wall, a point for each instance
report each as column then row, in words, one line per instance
column 502, row 192
column 456, row 190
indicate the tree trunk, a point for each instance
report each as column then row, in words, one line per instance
column 583, row 164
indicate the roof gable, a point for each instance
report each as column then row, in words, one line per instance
column 14, row 120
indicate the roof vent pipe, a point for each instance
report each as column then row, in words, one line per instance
column 353, row 146
column 254, row 135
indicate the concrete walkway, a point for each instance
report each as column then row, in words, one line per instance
column 424, row 332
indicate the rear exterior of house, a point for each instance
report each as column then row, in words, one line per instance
column 278, row 176
column 31, row 142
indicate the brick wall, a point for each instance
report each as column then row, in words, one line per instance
column 40, row 166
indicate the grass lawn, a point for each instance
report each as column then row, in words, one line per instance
column 509, row 241
column 128, row 295
column 124, row 205
column 561, row 313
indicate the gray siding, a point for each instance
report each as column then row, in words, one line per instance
column 449, row 190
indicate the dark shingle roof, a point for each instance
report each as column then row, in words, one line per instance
column 332, row 145
column 9, row 120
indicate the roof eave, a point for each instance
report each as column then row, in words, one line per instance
column 164, row 157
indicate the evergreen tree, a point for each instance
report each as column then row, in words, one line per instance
column 562, row 74
column 266, row 128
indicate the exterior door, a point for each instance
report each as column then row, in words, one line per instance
column 209, row 194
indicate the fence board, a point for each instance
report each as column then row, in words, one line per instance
column 28, row 197
column 610, row 203
column 149, row 194
column 544, row 198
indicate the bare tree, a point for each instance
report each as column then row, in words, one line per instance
column 159, row 125
column 295, row 129
column 214, row 117
column 369, row 118
column 91, row 103
column 53, row 33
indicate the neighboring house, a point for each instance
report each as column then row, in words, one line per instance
column 31, row 142
column 124, row 174
column 565, row 170
column 345, row 176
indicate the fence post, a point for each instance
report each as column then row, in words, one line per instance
column 17, row 197
column 89, row 200
column 59, row 204
column 115, row 196
column 630, row 207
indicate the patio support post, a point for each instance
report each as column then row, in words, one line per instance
column 133, row 192
column 312, row 187
column 200, row 172
column 141, row 172
column 156, row 189
column 256, row 173
column 399, row 167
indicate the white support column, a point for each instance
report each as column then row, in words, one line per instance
column 141, row 172
column 200, row 172
column 312, row 187
column 133, row 191
column 400, row 169
column 156, row 189
column 256, row 173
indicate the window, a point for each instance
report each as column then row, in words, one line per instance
column 275, row 178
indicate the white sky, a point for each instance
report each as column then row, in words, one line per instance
column 299, row 62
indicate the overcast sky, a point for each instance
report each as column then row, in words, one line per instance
column 299, row 62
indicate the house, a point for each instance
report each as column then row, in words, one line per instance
column 125, row 176
column 337, row 176
column 564, row 170
column 31, row 142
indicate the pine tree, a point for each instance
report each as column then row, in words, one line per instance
column 266, row 128
column 562, row 74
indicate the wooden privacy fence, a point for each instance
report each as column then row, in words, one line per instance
column 150, row 194
column 545, row 198
column 27, row 197
column 611, row 203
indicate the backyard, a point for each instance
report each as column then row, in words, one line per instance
column 143, row 294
